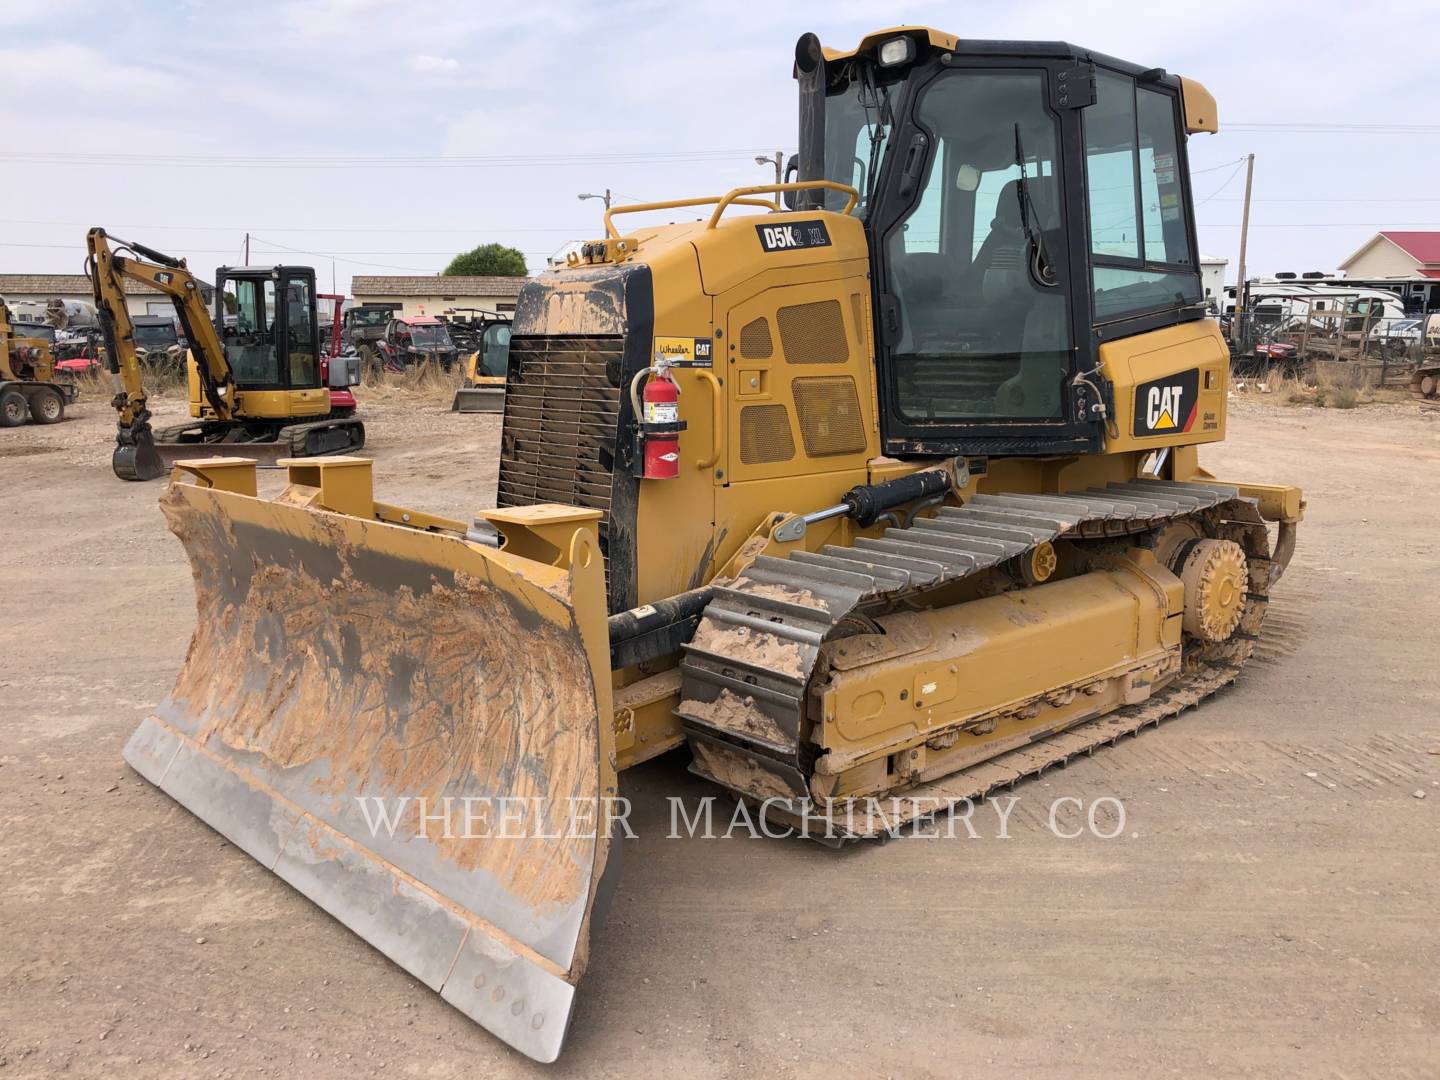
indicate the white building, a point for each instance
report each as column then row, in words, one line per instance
column 1212, row 278
column 435, row 295
column 140, row 299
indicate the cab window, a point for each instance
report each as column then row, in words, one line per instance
column 495, row 349
column 1139, row 222
column 976, row 266
column 304, row 365
column 249, row 342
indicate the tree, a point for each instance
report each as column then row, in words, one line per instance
column 493, row 260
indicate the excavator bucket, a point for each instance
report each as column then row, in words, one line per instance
column 135, row 458
column 411, row 728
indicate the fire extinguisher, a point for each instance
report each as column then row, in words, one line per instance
column 657, row 422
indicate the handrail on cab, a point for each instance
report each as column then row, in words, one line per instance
column 737, row 195
column 675, row 204
column 744, row 196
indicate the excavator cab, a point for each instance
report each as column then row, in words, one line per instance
column 269, row 330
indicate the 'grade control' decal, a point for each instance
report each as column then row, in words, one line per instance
column 794, row 236
column 1167, row 406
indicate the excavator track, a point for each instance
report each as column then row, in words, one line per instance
column 316, row 438
column 339, row 436
column 749, row 674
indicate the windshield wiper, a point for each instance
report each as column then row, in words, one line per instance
column 879, row 101
column 1041, row 267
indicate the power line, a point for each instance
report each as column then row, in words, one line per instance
column 322, row 228
column 220, row 251
column 1331, row 127
column 529, row 161
column 1326, row 225
column 1233, row 173
column 1210, row 168
column 341, row 159
column 336, row 256
column 1416, row 199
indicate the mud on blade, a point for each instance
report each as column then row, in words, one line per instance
column 353, row 690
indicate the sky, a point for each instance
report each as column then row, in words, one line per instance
column 384, row 136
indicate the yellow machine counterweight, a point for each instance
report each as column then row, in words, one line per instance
column 866, row 503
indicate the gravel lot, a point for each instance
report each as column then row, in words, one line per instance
column 1268, row 907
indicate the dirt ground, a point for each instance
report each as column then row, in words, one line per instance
column 1268, row 908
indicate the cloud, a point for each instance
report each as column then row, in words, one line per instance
column 89, row 76
column 442, row 65
column 20, row 12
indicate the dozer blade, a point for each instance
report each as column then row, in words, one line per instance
column 411, row 729
column 478, row 399
column 487, row 395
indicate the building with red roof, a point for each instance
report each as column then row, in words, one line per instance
column 1396, row 253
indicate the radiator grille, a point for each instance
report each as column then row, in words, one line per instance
column 829, row 411
column 755, row 341
column 562, row 408
column 813, row 333
column 765, row 434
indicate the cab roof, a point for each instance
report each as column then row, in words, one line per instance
column 937, row 38
column 1200, row 110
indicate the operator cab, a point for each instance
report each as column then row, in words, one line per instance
column 495, row 350
column 1024, row 203
column 266, row 319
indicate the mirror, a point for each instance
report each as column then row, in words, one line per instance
column 792, row 172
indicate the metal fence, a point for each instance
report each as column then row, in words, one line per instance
column 1305, row 337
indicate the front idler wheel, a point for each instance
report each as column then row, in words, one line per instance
column 1216, row 578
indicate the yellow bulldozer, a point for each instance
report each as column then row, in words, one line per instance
column 867, row 503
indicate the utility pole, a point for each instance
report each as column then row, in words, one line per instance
column 1240, row 297
column 605, row 198
column 247, row 249
column 778, row 161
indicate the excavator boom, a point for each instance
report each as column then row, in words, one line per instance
column 135, row 456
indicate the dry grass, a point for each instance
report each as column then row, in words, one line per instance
column 1334, row 386
column 423, row 382
column 427, row 381
column 98, row 384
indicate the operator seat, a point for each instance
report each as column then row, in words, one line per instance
column 1025, row 319
column 1000, row 264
